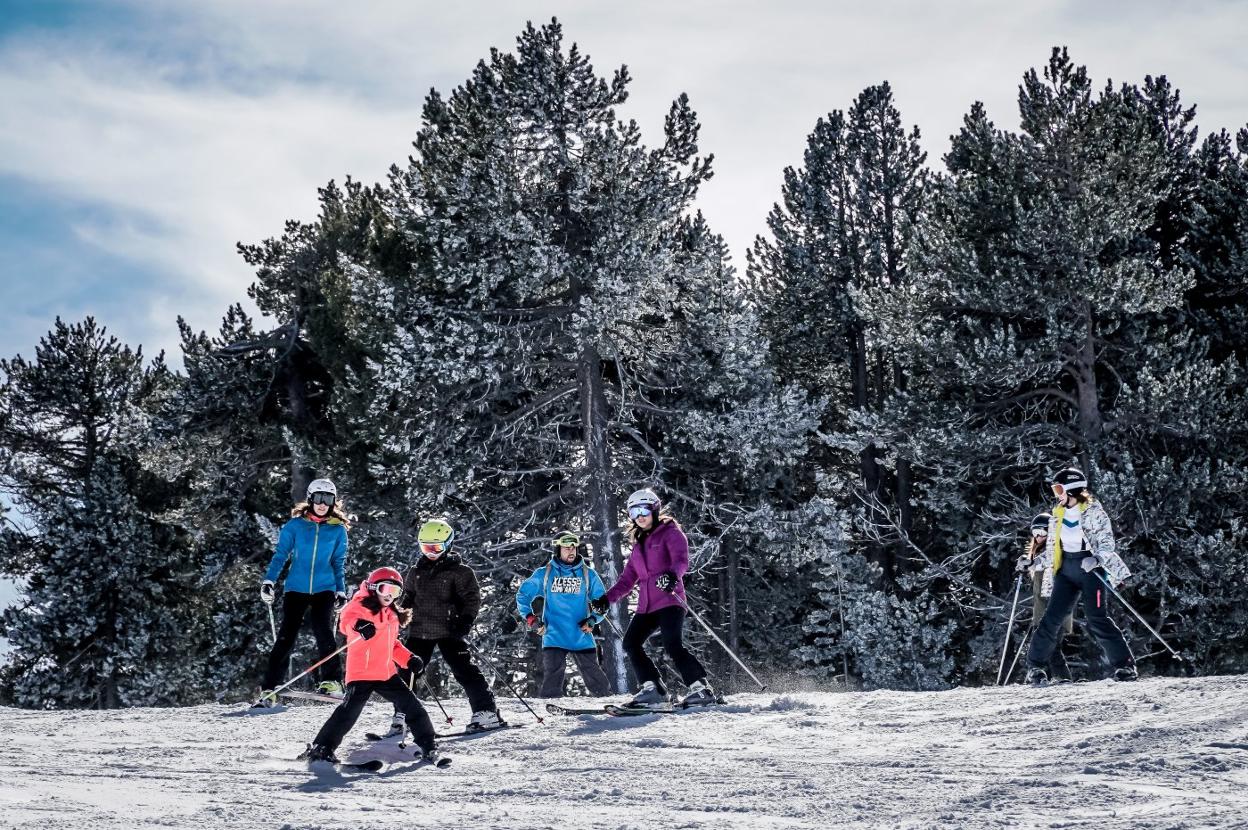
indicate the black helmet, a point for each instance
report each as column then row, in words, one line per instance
column 1040, row 524
column 1070, row 481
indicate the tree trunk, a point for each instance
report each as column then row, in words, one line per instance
column 1091, row 423
column 595, row 421
column 868, row 467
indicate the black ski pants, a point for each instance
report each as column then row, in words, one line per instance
column 459, row 660
column 670, row 622
column 395, row 690
column 295, row 606
column 1068, row 584
column 555, row 663
column 1058, row 667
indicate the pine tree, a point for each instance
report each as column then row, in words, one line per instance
column 106, row 578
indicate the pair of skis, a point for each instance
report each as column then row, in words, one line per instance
column 447, row 736
column 377, row 765
column 625, row 711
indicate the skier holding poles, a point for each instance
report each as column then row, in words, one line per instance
column 657, row 566
column 1079, row 553
column 371, row 622
column 314, row 542
column 555, row 601
column 443, row 594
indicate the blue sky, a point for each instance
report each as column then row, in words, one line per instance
column 142, row 139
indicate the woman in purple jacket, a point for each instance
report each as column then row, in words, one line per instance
column 657, row 566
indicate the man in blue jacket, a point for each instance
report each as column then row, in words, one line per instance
column 555, row 601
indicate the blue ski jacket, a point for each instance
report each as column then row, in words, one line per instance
column 317, row 552
column 567, row 590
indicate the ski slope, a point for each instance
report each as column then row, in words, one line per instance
column 1161, row 753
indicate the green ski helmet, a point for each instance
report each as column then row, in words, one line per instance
column 567, row 539
column 435, row 538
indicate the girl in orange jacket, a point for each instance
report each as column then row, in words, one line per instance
column 371, row 623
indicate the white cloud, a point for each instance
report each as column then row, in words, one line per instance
column 240, row 110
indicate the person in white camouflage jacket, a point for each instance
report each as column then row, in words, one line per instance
column 1080, row 551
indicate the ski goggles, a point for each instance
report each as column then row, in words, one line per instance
column 433, row 547
column 568, row 540
column 640, row 510
column 322, row 498
column 387, row 589
column 1060, row 490
column 1037, row 532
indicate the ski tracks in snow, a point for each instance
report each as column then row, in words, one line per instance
column 1161, row 753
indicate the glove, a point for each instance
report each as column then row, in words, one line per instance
column 415, row 665
column 532, row 620
column 266, row 592
column 365, row 629
column 340, row 599
column 538, row 605
column 666, row 581
column 1090, row 564
column 599, row 605
column 1023, row 565
column 587, row 625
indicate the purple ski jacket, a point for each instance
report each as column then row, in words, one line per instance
column 663, row 549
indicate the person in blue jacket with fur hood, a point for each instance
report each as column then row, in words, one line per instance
column 555, row 601
column 314, row 542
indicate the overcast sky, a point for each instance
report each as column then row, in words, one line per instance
column 140, row 139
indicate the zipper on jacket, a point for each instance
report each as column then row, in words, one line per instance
column 312, row 570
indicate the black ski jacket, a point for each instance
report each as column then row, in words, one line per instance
column 444, row 597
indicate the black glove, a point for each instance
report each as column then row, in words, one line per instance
column 340, row 599
column 365, row 629
column 599, row 605
column 666, row 581
column 415, row 665
column 587, row 625
column 538, row 604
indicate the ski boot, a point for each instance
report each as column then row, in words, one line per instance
column 398, row 727
column 318, row 752
column 700, row 694
column 1126, row 673
column 267, row 700
column 330, row 687
column 648, row 697
column 485, row 720
column 1037, row 677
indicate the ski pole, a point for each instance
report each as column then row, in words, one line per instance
column 1151, row 630
column 272, row 624
column 761, row 685
column 310, row 668
column 1009, row 629
column 504, row 678
column 1021, row 646
column 433, row 694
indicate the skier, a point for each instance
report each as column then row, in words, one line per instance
column 1059, row 669
column 555, row 601
column 657, row 565
column 314, row 541
column 1080, row 550
column 371, row 660
column 445, row 599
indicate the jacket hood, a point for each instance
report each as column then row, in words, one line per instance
column 559, row 563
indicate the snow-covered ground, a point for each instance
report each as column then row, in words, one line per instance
column 1161, row 753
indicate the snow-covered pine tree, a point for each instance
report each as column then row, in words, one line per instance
column 1035, row 328
column 539, row 325
column 107, row 579
column 846, row 225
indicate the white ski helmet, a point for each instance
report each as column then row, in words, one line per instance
column 322, row 485
column 645, row 496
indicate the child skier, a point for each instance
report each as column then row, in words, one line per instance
column 445, row 599
column 657, row 565
column 1080, row 551
column 371, row 617
column 555, row 600
column 314, row 541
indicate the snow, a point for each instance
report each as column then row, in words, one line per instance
column 1161, row 753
